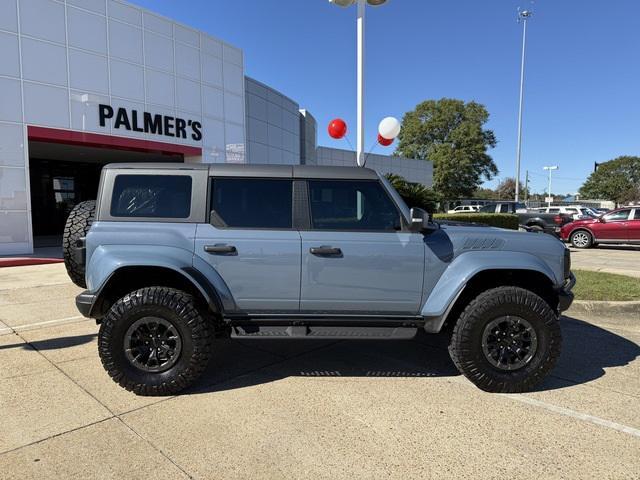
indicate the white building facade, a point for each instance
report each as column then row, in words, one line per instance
column 88, row 82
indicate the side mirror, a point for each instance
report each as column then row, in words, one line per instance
column 601, row 219
column 420, row 221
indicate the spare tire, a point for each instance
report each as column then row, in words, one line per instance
column 77, row 226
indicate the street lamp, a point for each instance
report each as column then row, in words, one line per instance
column 360, row 90
column 549, row 197
column 523, row 16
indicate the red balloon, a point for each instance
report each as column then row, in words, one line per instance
column 337, row 128
column 385, row 142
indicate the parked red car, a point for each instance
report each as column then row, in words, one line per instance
column 618, row 226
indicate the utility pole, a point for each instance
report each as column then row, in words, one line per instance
column 360, row 88
column 523, row 16
column 549, row 197
column 361, row 4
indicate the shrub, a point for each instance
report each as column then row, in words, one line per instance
column 500, row 220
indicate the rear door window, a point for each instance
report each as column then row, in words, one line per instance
column 251, row 203
column 151, row 196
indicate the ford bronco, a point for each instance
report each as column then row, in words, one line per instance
column 173, row 256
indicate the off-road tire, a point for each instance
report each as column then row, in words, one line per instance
column 180, row 309
column 78, row 223
column 466, row 349
column 581, row 244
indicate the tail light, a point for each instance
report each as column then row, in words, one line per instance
column 558, row 219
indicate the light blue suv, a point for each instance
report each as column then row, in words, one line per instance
column 174, row 256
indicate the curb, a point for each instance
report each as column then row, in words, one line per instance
column 24, row 261
column 629, row 312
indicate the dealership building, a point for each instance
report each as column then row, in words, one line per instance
column 88, row 82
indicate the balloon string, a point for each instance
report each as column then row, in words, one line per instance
column 366, row 157
column 347, row 139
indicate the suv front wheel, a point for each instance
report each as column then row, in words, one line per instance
column 155, row 341
column 506, row 340
column 581, row 239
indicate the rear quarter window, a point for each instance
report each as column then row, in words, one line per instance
column 151, row 196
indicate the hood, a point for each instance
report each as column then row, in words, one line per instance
column 476, row 237
column 584, row 221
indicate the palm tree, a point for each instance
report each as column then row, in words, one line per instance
column 414, row 194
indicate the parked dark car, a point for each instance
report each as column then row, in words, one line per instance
column 618, row 226
column 529, row 219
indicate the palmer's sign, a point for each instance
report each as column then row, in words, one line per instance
column 150, row 123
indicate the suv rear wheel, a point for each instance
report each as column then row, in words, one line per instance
column 155, row 341
column 506, row 340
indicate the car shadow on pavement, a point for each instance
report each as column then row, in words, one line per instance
column 586, row 352
column 53, row 343
column 324, row 359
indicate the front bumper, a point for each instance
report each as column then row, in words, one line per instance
column 565, row 295
column 85, row 302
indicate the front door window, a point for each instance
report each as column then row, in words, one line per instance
column 352, row 206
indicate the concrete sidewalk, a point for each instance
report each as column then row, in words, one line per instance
column 305, row 409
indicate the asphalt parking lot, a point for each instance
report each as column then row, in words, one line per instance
column 276, row 409
column 621, row 259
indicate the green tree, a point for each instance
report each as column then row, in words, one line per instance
column 617, row 180
column 485, row 194
column 414, row 194
column 451, row 134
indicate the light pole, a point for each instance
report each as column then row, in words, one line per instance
column 549, row 197
column 360, row 70
column 523, row 16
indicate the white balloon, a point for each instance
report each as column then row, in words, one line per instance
column 389, row 128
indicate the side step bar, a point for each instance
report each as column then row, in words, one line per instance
column 323, row 332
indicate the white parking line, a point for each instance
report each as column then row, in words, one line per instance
column 34, row 326
column 572, row 413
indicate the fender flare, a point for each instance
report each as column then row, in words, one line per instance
column 106, row 261
column 457, row 275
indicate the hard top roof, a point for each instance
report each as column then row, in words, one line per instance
column 272, row 171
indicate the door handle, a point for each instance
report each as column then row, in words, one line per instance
column 326, row 251
column 221, row 249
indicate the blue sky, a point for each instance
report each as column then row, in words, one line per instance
column 582, row 97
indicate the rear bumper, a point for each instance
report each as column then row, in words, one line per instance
column 565, row 295
column 85, row 302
